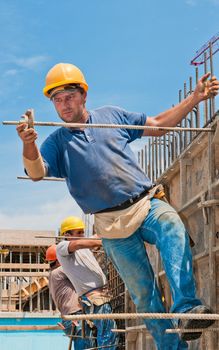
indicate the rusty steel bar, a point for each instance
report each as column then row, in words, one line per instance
column 177, row 145
column 156, row 160
column 146, row 159
column 149, row 159
column 111, row 126
column 169, row 149
column 153, row 160
column 212, row 99
column 197, row 124
column 186, row 117
column 173, row 147
column 142, row 159
column 46, row 178
column 191, row 330
column 149, row 315
column 70, row 238
column 165, row 152
column 160, row 155
column 191, row 113
column 174, row 330
column 206, row 101
column 139, row 157
column 181, row 123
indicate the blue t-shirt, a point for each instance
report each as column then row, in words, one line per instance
column 100, row 169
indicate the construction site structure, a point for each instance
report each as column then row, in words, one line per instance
column 187, row 164
column 205, row 49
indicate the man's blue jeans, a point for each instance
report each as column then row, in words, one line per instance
column 104, row 334
column 80, row 343
column 163, row 228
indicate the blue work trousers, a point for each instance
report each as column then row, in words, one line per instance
column 79, row 343
column 104, row 334
column 163, row 228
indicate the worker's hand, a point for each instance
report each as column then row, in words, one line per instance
column 95, row 236
column 60, row 325
column 206, row 88
column 27, row 135
column 98, row 242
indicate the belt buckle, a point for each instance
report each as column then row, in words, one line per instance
column 132, row 200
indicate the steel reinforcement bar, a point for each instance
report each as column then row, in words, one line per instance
column 132, row 316
column 112, row 126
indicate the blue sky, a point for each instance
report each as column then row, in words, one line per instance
column 134, row 54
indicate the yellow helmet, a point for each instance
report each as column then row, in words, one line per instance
column 71, row 223
column 63, row 74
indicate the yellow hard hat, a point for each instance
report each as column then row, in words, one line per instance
column 71, row 223
column 63, row 74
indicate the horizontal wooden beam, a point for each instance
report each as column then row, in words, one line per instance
column 24, row 266
column 24, row 274
column 28, row 328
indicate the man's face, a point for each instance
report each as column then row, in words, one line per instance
column 74, row 233
column 70, row 105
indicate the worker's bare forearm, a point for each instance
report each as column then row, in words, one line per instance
column 33, row 162
column 84, row 244
column 204, row 89
column 172, row 116
column 28, row 136
column 31, row 151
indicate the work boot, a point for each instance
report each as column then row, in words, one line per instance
column 187, row 324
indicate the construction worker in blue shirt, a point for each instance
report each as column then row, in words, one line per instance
column 103, row 176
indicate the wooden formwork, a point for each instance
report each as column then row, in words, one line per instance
column 192, row 184
column 23, row 271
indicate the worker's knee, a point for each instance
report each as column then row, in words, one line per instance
column 171, row 222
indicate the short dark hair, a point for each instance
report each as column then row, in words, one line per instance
column 68, row 87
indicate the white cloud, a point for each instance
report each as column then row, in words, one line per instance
column 46, row 217
column 191, row 2
column 197, row 2
column 30, row 62
column 11, row 72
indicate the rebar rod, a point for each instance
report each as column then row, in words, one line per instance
column 112, row 126
column 191, row 330
column 46, row 178
column 134, row 316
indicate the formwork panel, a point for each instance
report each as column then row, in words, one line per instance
column 197, row 174
column 197, row 231
column 201, row 270
column 174, row 190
